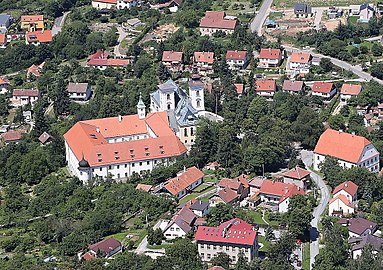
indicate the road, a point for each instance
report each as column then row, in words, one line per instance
column 259, row 19
column 59, row 23
column 121, row 36
column 142, row 248
column 307, row 158
column 318, row 17
column 357, row 70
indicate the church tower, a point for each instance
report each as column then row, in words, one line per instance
column 141, row 108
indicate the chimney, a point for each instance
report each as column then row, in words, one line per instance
column 119, row 118
column 346, row 185
column 347, row 222
column 184, row 168
column 97, row 129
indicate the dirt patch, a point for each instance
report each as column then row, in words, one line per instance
column 102, row 27
column 161, row 33
column 331, row 25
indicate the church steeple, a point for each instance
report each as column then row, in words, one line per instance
column 141, row 108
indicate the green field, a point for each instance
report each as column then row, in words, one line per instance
column 306, row 256
column 317, row 3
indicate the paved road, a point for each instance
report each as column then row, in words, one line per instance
column 59, row 23
column 259, row 19
column 307, row 158
column 142, row 248
column 121, row 36
column 318, row 17
column 357, row 70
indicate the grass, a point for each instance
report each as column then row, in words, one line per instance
column 233, row 7
column 256, row 217
column 194, row 194
column 306, row 256
column 273, row 223
column 118, row 236
column 316, row 3
column 166, row 245
column 275, row 15
column 266, row 244
column 353, row 19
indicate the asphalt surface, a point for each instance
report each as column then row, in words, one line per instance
column 259, row 19
column 121, row 36
column 58, row 24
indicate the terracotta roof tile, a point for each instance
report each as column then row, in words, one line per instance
column 4, row 80
column 351, row 89
column 280, row 189
column 144, row 187
column 227, row 195
column 348, row 186
column 11, row 136
column 216, row 19
column 106, row 245
column 343, row 199
column 204, row 57
column 107, row 1
column 295, row 86
column 42, row 36
column 297, row 173
column 2, row 38
column 322, row 87
column 236, row 55
column 170, row 56
column 184, row 180
column 32, row 18
column 25, row 92
column 239, row 88
column 265, row 85
column 300, row 57
column 270, row 54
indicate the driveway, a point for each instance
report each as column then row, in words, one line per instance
column 307, row 158
column 142, row 248
column 259, row 19
column 59, row 23
column 121, row 36
column 318, row 17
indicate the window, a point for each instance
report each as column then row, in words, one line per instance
column 197, row 93
column 214, row 247
column 100, row 169
column 140, row 163
column 203, row 255
column 208, row 256
column 168, row 106
column 168, row 96
column 185, row 132
column 198, row 103
column 227, row 248
column 126, row 174
column 118, row 175
column 207, row 246
column 126, row 165
column 172, row 229
column 177, row 229
column 118, row 166
column 110, row 167
column 133, row 164
column 147, row 162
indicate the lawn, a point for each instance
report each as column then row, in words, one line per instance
column 233, row 8
column 256, row 217
column 194, row 194
column 352, row 19
column 266, row 244
column 165, row 245
column 316, row 3
column 118, row 236
column 306, row 257
column 275, row 15
column 273, row 223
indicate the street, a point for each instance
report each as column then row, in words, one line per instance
column 259, row 19
column 59, row 23
column 121, row 36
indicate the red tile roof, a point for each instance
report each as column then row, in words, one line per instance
column 343, row 199
column 228, row 195
column 2, row 38
column 170, row 56
column 35, row 70
column 32, row 18
column 256, row 182
column 351, row 89
column 348, row 186
column 100, row 58
column 42, row 36
column 216, row 19
column 144, row 187
column 300, row 57
column 239, row 88
column 25, row 92
column 105, row 246
column 341, row 145
column 297, row 173
column 280, row 189
column 235, row 183
column 270, row 54
column 106, row 1
column 90, row 138
column 295, row 86
column 236, row 55
column 216, row 268
column 88, row 256
column 11, row 136
column 265, row 85
column 185, row 179
column 4, row 80
column 234, row 231
column 204, row 57
column 322, row 87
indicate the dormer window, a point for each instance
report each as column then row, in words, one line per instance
column 132, row 156
column 131, row 150
column 161, row 147
column 146, row 148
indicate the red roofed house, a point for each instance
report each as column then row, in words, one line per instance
column 38, row 37
column 297, row 176
column 350, row 150
column 35, row 70
column 147, row 188
column 278, row 194
column 237, row 59
column 203, row 63
column 117, row 147
column 32, row 22
column 323, row 89
column 21, row 97
column 292, row 87
column 106, row 248
column 4, row 85
column 299, row 63
column 344, row 200
column 181, row 223
column 231, row 190
column 172, row 60
column 3, row 41
column 215, row 21
column 104, row 4
column 239, row 88
column 270, row 58
column 349, row 90
column 185, row 181
column 13, row 136
column 225, row 195
column 265, row 88
column 101, row 60
column 231, row 237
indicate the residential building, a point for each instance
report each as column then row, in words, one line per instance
column 147, row 188
column 323, row 89
column 126, row 4
column 225, row 195
column 265, row 88
column 4, row 85
column 180, row 224
column 172, row 5
column 104, row 4
column 5, row 23
column 255, row 185
column 334, row 12
column 380, row 110
column 299, row 177
column 344, row 201
column 238, row 184
column 200, row 208
column 237, row 60
column 231, row 237
column 278, row 194
column 13, row 136
column 293, row 87
column 35, row 70
column 3, row 41
column 105, row 248
column 358, row 227
column 118, row 147
column 102, row 60
column 270, row 58
column 349, row 90
column 32, row 23
column 38, row 37
column 367, row 11
column 216, row 268
column 302, row 9
column 203, row 63
column 79, row 91
column 185, row 181
column 299, row 63
column 21, row 97
column 359, row 243
column 239, row 88
column 350, row 150
column 215, row 21
column 172, row 60
column 45, row 138
column 348, row 189
column 354, row 10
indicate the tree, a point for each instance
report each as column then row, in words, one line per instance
column 376, row 70
column 162, row 72
column 307, row 128
column 377, row 49
column 280, row 253
column 299, row 217
column 326, row 64
column 220, row 213
column 269, row 234
column 354, row 51
column 60, row 97
column 111, row 37
column 241, row 262
column 184, row 255
column 221, row 259
column 155, row 237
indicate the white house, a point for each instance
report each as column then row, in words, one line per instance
column 299, row 63
column 265, row 88
column 358, row 227
column 237, row 59
column 349, row 90
column 323, row 89
column 350, row 150
column 367, row 11
column 79, row 91
column 270, row 58
column 297, row 176
column 348, row 189
column 180, row 224
column 359, row 243
column 126, row 4
column 185, row 181
column 104, row 4
column 21, row 97
column 215, row 21
column 344, row 200
column 106, row 248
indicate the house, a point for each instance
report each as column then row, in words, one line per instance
column 302, row 9
column 21, row 97
column 27, row 116
column 4, row 85
column 359, row 243
column 200, row 208
column 180, row 224
column 225, row 195
column 134, row 22
column 354, row 10
column 13, row 136
column 297, row 176
column 38, row 37
column 3, row 41
column 147, row 188
column 185, row 181
column 5, row 23
column 4, row 128
column 348, row 189
column 203, row 63
column 350, row 150
column 32, row 23
column 333, row 12
column 237, row 60
column 172, row 60
column 349, row 90
column 239, row 184
column 270, row 58
column 126, row 4
column 118, row 147
column 215, row 21
column 323, row 89
column 231, row 237
column 172, row 5
column 344, row 201
column 239, row 88
column 367, row 11
column 79, row 91
column 216, row 268
column 105, row 248
column 45, row 138
column 380, row 110
column 265, row 88
column 104, row 4
column 299, row 63
column 101, row 60
column 35, row 70
column 213, row 166
column 358, row 227
column 293, row 87
column 255, row 185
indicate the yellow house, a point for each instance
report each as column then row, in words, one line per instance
column 32, row 22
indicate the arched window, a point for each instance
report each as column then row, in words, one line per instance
column 198, row 103
column 197, row 93
column 185, row 132
column 168, row 96
column 168, row 106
